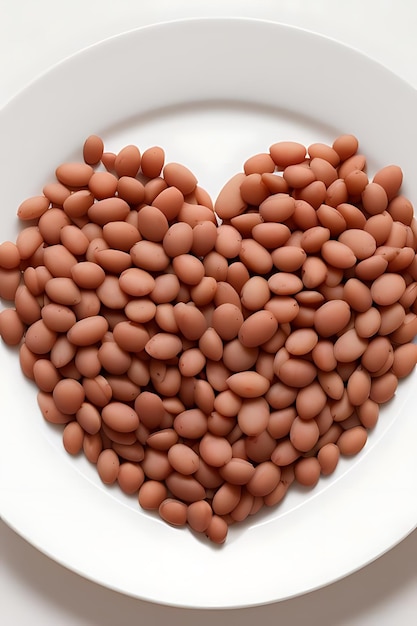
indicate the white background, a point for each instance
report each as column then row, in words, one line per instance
column 37, row 34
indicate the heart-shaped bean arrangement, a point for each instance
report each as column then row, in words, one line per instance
column 206, row 356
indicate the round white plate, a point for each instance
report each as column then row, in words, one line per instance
column 212, row 92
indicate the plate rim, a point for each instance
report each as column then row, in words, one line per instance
column 134, row 32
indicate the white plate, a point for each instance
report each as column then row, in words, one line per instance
column 212, row 92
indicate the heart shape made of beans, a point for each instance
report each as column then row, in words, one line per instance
column 205, row 355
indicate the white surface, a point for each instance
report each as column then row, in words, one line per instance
column 66, row 495
column 385, row 591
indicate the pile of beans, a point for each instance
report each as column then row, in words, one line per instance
column 204, row 356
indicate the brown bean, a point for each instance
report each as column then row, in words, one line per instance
column 151, row 494
column 32, row 208
column 130, row 477
column 88, row 331
column 314, row 194
column 185, row 487
column 9, row 255
column 28, row 241
column 149, row 255
column 229, row 202
column 27, row 305
column 217, row 529
column 108, row 466
column 368, row 323
column 338, row 254
column 258, row 448
column 388, row 288
column 392, row 317
column 92, row 446
column 259, row 164
column 188, row 268
column 301, row 341
column 304, row 434
column 307, row 471
column 211, row 345
column 11, row 327
column 179, row 176
column 286, row 153
column 190, row 320
column 401, row 209
column 178, row 239
column 62, row 352
column 288, row 258
column 383, row 387
column 405, row 359
column 390, row 178
column 128, row 161
column 298, row 176
column 407, row 330
column 199, row 515
column 237, row 471
column 72, row 438
column 108, row 210
column 265, row 479
column 257, row 329
column 253, row 416
column 56, row 192
column 131, row 189
column 215, row 450
column 246, row 222
column 357, row 295
column 183, row 459
column 154, row 188
column 332, row 317
column 345, row 146
column 329, row 217
column 93, row 149
column 328, row 457
column 374, row 198
column 168, row 200
column 204, row 238
column 74, row 174
column 352, row 441
column 173, row 512
column 103, row 185
column 226, row 498
column 253, row 190
column 284, row 453
column 297, row 372
column 310, row 400
column 152, row 161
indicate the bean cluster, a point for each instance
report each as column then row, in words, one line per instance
column 204, row 356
